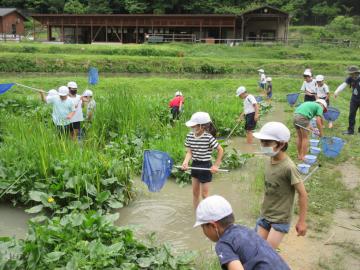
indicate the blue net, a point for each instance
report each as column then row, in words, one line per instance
column 332, row 114
column 93, row 76
column 259, row 99
column 332, row 146
column 292, row 98
column 156, row 169
column 5, row 87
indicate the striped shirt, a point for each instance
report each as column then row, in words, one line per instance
column 201, row 147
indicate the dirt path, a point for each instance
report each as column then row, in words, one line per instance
column 339, row 247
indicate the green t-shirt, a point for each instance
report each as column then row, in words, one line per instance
column 280, row 179
column 310, row 109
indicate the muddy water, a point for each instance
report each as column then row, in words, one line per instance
column 13, row 221
column 170, row 213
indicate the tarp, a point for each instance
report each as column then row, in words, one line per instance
column 5, row 87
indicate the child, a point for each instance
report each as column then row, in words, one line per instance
column 282, row 179
column 176, row 105
column 269, row 88
column 78, row 117
column 303, row 114
column 353, row 81
column 237, row 247
column 63, row 109
column 322, row 92
column 87, row 97
column 262, row 80
column 309, row 86
column 199, row 144
column 251, row 112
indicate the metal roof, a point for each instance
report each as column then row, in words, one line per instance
column 6, row 11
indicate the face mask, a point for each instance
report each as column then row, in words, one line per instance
column 73, row 92
column 194, row 130
column 269, row 151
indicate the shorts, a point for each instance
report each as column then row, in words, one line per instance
column 250, row 122
column 301, row 120
column 202, row 176
column 75, row 125
column 262, row 85
column 309, row 98
column 175, row 112
column 267, row 225
column 64, row 130
column 269, row 94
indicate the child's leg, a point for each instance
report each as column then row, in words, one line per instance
column 196, row 191
column 298, row 142
column 263, row 233
column 249, row 137
column 331, row 124
column 304, row 143
column 205, row 189
column 274, row 238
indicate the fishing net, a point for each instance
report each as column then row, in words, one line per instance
column 93, row 76
column 5, row 87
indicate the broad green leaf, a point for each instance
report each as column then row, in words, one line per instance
column 37, row 195
column 144, row 262
column 39, row 219
column 103, row 196
column 35, row 209
column 54, row 256
column 77, row 219
column 109, row 181
column 112, row 217
column 115, row 204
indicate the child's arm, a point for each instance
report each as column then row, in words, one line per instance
column 214, row 168
column 70, row 115
column 42, row 96
column 187, row 158
column 301, row 226
column 235, row 265
column 319, row 125
column 256, row 107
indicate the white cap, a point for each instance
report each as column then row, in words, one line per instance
column 72, row 85
column 63, row 91
column 273, row 131
column 212, row 208
column 322, row 102
column 87, row 93
column 261, row 70
column 178, row 93
column 198, row 118
column 319, row 78
column 52, row 92
column 269, row 79
column 240, row 90
column 307, row 72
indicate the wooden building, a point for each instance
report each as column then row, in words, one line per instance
column 11, row 22
column 261, row 24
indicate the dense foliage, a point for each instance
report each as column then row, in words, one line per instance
column 303, row 11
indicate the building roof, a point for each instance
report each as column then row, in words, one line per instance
column 7, row 11
column 262, row 7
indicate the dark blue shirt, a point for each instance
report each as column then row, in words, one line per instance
column 355, row 86
column 244, row 244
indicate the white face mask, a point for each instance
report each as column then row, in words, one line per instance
column 269, row 151
column 194, row 130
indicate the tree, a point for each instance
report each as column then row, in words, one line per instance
column 98, row 6
column 135, row 6
column 74, row 7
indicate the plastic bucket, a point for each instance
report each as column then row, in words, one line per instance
column 332, row 114
column 313, row 134
column 303, row 168
column 292, row 98
column 332, row 146
column 314, row 142
column 315, row 150
column 310, row 159
column 259, row 98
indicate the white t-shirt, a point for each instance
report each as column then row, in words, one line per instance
column 262, row 78
column 249, row 103
column 322, row 91
column 78, row 117
column 309, row 86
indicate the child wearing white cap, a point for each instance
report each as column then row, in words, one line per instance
column 302, row 116
column 262, row 81
column 63, row 109
column 90, row 103
column 269, row 88
column 323, row 92
column 282, row 180
column 78, row 117
column 237, row 247
column 251, row 112
column 200, row 143
column 309, row 86
column 176, row 105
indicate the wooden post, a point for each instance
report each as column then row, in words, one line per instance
column 76, row 32
column 137, row 32
column 34, row 29
column 201, row 22
column 49, row 32
column 234, row 29
column 122, row 37
column 91, row 30
column 106, row 31
column 62, row 30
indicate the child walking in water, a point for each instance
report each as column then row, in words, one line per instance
column 282, row 179
column 200, row 143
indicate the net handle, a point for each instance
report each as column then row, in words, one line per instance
column 202, row 169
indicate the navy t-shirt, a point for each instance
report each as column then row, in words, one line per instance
column 355, row 86
column 244, row 244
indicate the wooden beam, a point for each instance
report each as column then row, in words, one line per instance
column 106, row 31
column 242, row 27
column 116, row 34
column 91, row 31
column 97, row 32
column 34, row 29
